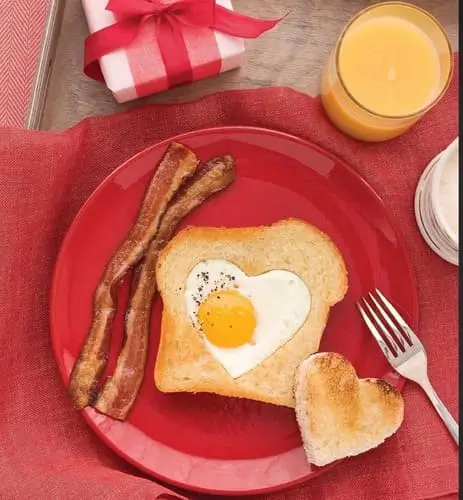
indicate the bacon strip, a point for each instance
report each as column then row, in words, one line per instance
column 177, row 165
column 120, row 391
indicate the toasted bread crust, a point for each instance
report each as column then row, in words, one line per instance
column 184, row 364
column 340, row 415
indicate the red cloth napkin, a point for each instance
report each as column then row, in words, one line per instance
column 47, row 451
column 22, row 32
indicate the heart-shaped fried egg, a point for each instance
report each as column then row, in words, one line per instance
column 244, row 319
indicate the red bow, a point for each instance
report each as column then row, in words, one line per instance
column 169, row 15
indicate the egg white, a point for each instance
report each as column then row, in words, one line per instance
column 281, row 302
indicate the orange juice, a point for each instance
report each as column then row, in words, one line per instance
column 388, row 68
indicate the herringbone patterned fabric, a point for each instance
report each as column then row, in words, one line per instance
column 22, row 24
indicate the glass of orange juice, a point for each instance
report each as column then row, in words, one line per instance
column 391, row 64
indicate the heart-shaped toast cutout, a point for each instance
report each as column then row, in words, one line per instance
column 340, row 415
column 244, row 319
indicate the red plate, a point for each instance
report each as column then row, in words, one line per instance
column 205, row 442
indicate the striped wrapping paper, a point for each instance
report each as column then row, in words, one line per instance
column 27, row 33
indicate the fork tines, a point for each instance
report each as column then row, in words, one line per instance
column 388, row 327
column 402, row 348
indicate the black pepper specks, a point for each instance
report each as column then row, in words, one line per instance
column 211, row 283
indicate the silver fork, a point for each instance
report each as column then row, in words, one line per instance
column 405, row 352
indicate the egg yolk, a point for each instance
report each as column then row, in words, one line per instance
column 227, row 318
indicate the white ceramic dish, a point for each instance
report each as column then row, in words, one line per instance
column 436, row 204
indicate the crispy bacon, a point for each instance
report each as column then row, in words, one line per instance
column 177, row 165
column 120, row 391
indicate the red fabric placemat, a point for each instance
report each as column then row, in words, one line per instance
column 47, row 451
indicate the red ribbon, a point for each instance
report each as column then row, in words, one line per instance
column 169, row 17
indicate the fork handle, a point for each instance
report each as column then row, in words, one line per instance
column 444, row 414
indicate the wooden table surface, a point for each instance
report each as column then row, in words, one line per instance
column 291, row 55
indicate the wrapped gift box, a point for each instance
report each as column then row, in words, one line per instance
column 138, row 70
